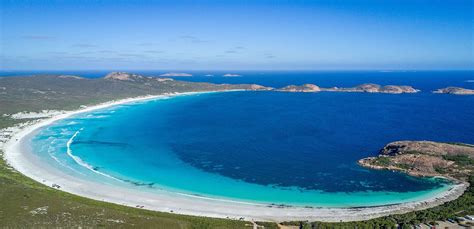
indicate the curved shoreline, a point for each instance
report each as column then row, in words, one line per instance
column 16, row 156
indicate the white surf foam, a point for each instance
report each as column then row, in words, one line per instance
column 80, row 162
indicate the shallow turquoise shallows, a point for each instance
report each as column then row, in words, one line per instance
column 265, row 147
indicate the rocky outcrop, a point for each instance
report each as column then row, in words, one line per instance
column 427, row 147
column 392, row 89
column 123, row 76
column 375, row 88
column 302, row 88
column 256, row 87
column 425, row 158
column 454, row 91
column 367, row 88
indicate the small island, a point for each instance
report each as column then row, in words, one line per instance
column 454, row 91
column 367, row 88
column 176, row 74
column 231, row 75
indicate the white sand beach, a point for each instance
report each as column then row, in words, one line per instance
column 18, row 156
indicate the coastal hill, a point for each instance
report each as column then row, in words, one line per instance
column 123, row 76
column 368, row 88
column 63, row 92
column 302, row 88
column 425, row 159
column 454, row 91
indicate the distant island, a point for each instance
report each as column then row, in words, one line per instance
column 231, row 75
column 454, row 91
column 368, row 88
column 171, row 74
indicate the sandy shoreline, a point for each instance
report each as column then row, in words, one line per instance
column 19, row 158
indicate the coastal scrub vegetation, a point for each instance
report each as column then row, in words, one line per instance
column 462, row 160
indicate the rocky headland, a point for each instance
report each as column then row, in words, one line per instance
column 367, row 88
column 454, row 91
column 302, row 88
column 454, row 161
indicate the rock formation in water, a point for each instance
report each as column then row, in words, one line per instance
column 425, row 158
column 368, row 88
column 455, row 91
column 375, row 88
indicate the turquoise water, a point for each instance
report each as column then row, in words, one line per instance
column 266, row 147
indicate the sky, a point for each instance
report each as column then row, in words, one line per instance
column 237, row 35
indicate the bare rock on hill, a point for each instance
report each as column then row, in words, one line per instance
column 123, row 76
column 302, row 88
column 394, row 89
column 427, row 147
column 375, row 88
column 256, row 87
column 368, row 87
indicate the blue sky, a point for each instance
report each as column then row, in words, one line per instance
column 237, row 35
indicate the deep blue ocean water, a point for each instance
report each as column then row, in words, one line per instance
column 271, row 147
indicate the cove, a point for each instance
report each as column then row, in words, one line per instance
column 265, row 147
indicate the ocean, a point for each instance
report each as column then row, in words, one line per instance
column 267, row 147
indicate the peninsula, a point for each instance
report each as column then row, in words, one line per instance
column 454, row 161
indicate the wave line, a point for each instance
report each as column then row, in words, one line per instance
column 80, row 162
